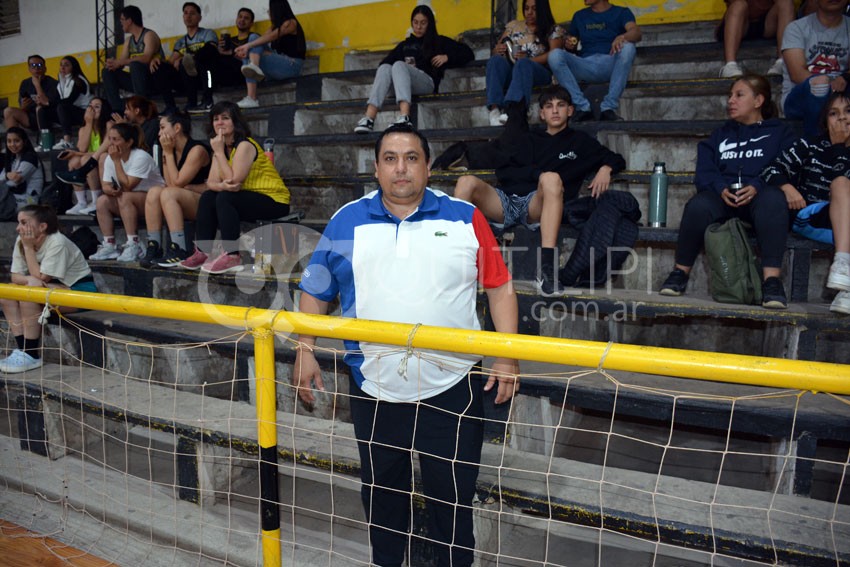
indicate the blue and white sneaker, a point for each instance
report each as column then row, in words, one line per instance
column 19, row 361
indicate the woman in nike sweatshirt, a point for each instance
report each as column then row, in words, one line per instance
column 737, row 152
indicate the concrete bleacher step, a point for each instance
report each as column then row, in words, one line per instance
column 128, row 420
column 640, row 143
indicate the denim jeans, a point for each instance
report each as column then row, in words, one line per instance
column 802, row 104
column 507, row 83
column 405, row 79
column 277, row 66
column 569, row 69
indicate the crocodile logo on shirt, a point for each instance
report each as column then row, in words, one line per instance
column 441, row 233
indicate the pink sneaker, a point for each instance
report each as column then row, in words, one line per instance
column 195, row 261
column 223, row 264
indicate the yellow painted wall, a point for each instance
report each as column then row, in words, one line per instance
column 380, row 25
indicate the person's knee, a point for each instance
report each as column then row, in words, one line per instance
column 550, row 186
column 627, row 51
column 557, row 58
column 736, row 10
column 840, row 186
column 465, row 187
column 819, row 86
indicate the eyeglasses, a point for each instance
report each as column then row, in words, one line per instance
column 36, row 65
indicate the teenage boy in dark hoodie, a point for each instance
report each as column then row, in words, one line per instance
column 545, row 170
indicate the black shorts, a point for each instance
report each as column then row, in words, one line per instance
column 754, row 31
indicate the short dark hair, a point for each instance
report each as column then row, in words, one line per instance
column 249, row 10
column 36, row 56
column 402, row 129
column 133, row 13
column 554, row 92
column 192, row 4
column 43, row 214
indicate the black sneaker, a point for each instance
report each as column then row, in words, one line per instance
column 675, row 284
column 152, row 255
column 773, row 294
column 202, row 108
column 173, row 256
column 547, row 284
column 582, row 115
column 75, row 177
column 609, row 115
column 364, row 125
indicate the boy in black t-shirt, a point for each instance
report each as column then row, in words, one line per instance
column 37, row 97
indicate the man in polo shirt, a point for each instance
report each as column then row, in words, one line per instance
column 409, row 254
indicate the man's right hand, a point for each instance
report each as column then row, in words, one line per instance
column 305, row 374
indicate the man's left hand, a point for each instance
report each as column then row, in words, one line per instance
column 601, row 181
column 617, row 44
column 504, row 371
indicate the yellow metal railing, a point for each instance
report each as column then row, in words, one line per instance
column 262, row 323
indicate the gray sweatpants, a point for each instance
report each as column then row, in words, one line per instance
column 406, row 79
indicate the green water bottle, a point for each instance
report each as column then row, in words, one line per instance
column 658, row 196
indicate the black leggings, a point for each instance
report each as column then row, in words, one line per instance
column 768, row 213
column 224, row 210
column 69, row 116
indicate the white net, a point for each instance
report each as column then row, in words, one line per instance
column 148, row 454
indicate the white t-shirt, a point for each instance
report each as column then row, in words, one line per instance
column 825, row 49
column 58, row 257
column 140, row 164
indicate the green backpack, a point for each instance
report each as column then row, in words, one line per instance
column 734, row 275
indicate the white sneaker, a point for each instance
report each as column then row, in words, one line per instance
column 106, row 251
column 251, row 71
column 248, row 102
column 19, row 361
column 63, row 144
column 364, row 125
column 841, row 303
column 89, row 209
column 132, row 252
column 77, row 209
column 776, row 68
column 403, row 119
column 731, row 70
column 503, row 119
column 495, row 113
column 839, row 275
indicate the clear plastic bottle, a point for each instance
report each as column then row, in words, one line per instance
column 268, row 148
column 658, row 196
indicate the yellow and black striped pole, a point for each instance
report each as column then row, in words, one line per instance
column 267, row 437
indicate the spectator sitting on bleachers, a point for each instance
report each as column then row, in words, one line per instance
column 83, row 163
column 414, row 67
column 545, row 170
column 282, row 57
column 608, row 35
column 194, row 56
column 128, row 173
column 42, row 257
column 816, row 49
column 74, row 97
column 752, row 19
column 142, row 112
column 185, row 167
column 813, row 175
column 22, row 171
column 140, row 57
column 739, row 151
column 229, row 71
column 37, row 97
column 531, row 42
column 243, row 186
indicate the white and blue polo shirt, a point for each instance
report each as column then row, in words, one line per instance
column 423, row 269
